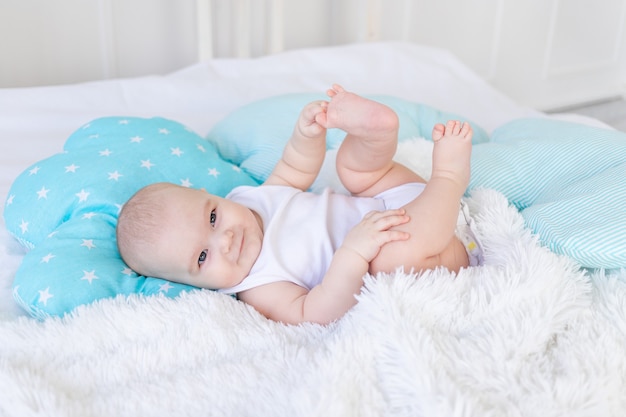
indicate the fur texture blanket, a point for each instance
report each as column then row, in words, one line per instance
column 526, row 334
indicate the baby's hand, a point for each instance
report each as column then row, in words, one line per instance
column 367, row 237
column 310, row 117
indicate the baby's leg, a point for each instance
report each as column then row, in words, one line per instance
column 435, row 211
column 364, row 160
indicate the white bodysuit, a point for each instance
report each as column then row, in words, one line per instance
column 302, row 230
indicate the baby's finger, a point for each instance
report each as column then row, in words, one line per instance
column 394, row 235
column 390, row 218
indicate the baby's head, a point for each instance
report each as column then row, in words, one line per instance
column 140, row 226
column 189, row 236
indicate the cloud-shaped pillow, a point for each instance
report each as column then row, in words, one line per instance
column 65, row 208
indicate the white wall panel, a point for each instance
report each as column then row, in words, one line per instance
column 53, row 42
column 469, row 28
column 580, row 40
column 40, row 45
column 544, row 53
column 152, row 35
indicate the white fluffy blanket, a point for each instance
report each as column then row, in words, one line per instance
column 527, row 334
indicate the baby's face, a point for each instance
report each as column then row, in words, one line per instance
column 206, row 241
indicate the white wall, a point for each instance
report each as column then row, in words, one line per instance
column 544, row 53
column 63, row 41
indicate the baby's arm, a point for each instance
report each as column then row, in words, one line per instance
column 304, row 153
column 335, row 295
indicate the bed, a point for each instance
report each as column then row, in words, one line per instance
column 537, row 330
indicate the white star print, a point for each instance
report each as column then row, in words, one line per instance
column 34, row 171
column 105, row 152
column 24, row 226
column 44, row 296
column 53, row 233
column 86, row 126
column 71, row 168
column 89, row 276
column 89, row 215
column 165, row 287
column 236, row 168
column 127, row 271
column 94, row 136
column 119, row 207
column 88, row 243
column 82, row 196
column 136, row 139
column 177, row 151
column 123, row 122
column 186, row 183
column 146, row 164
column 164, row 131
column 43, row 193
column 10, row 199
column 201, row 148
column 115, row 175
column 47, row 258
column 214, row 172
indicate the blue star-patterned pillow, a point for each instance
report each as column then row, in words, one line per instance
column 65, row 208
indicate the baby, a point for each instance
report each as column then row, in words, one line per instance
column 297, row 256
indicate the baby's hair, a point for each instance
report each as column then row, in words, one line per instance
column 139, row 222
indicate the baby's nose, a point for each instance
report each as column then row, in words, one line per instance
column 225, row 241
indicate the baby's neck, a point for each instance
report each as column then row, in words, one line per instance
column 258, row 219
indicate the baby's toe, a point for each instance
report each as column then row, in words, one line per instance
column 438, row 131
column 450, row 124
column 466, row 130
column 339, row 88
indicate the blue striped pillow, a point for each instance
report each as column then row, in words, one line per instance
column 568, row 181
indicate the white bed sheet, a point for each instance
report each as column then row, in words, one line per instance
column 35, row 122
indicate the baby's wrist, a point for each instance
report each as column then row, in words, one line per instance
column 353, row 251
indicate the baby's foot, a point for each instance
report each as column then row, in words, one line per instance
column 452, row 151
column 357, row 115
column 308, row 122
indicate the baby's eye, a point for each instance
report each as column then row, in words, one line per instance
column 202, row 257
column 212, row 217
